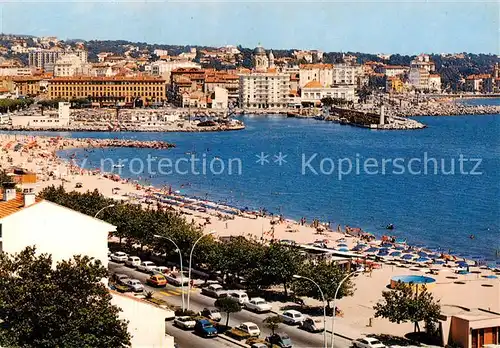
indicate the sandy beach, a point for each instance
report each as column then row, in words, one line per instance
column 39, row 155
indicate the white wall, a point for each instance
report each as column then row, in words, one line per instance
column 146, row 322
column 56, row 230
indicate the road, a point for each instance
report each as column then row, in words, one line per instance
column 171, row 294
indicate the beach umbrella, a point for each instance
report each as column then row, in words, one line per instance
column 407, row 256
column 462, row 264
column 383, row 253
column 423, row 259
column 343, row 249
column 439, row 262
column 422, row 254
column 395, row 254
column 400, row 247
column 371, row 250
column 342, row 245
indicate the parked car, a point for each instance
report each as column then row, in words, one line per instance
column 174, row 278
column 211, row 313
column 146, row 266
column 259, row 345
column 292, row 317
column 157, row 280
column 367, row 342
column 280, row 339
column 161, row 269
column 135, row 285
column 119, row 256
column 186, row 323
column 121, row 278
column 205, row 328
column 250, row 328
column 258, row 305
column 214, row 290
column 239, row 296
column 313, row 324
column 133, row 261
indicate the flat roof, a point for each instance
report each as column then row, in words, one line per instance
column 470, row 314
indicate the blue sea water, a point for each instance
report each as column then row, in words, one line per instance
column 440, row 210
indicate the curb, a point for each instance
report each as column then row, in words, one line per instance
column 232, row 340
column 336, row 334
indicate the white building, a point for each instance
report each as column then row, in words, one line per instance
column 163, row 69
column 46, row 58
column 346, row 74
column 53, row 229
column 314, row 91
column 418, row 78
column 220, row 99
column 70, row 65
column 264, row 90
column 15, row 71
column 63, row 233
column 394, row 70
column 61, row 119
column 435, row 83
column 423, row 61
column 146, row 322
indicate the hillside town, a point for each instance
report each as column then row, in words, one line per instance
column 47, row 68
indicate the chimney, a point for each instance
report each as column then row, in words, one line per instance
column 9, row 191
column 29, row 196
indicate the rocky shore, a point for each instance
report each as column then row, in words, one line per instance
column 443, row 109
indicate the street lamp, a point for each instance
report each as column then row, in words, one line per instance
column 180, row 257
column 190, row 260
column 106, row 207
column 296, row 276
column 335, row 299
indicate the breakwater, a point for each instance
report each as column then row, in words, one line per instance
column 442, row 109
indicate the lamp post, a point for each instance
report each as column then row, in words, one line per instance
column 296, row 276
column 106, row 207
column 190, row 261
column 335, row 299
column 180, row 257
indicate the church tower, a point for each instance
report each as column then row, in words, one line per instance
column 260, row 60
column 271, row 59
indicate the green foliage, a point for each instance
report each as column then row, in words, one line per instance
column 228, row 306
column 277, row 266
column 406, row 303
column 272, row 322
column 328, row 276
column 11, row 105
column 65, row 306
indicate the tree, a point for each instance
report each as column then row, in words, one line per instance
column 406, row 303
column 278, row 265
column 328, row 276
column 228, row 306
column 61, row 306
column 272, row 322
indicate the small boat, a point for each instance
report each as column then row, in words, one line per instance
column 390, row 227
column 118, row 165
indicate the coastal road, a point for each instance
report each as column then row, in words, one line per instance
column 171, row 295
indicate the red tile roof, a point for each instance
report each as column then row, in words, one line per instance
column 13, row 206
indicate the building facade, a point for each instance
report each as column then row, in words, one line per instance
column 46, row 58
column 314, row 91
column 109, row 89
column 163, row 68
column 264, row 90
column 322, row 73
column 70, row 65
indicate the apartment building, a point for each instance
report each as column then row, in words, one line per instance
column 47, row 58
column 109, row 89
column 322, row 73
column 314, row 91
column 70, row 65
column 264, row 90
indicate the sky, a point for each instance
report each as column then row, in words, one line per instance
column 405, row 27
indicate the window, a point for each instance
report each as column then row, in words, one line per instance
column 0, row 234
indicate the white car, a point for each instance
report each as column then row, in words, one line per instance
column 119, row 256
column 239, row 296
column 121, row 278
column 292, row 317
column 313, row 324
column 175, row 279
column 214, row 290
column 135, row 285
column 146, row 266
column 250, row 328
column 186, row 323
column 367, row 342
column 258, row 305
column 161, row 269
column 133, row 261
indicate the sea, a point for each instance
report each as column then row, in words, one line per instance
column 439, row 187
